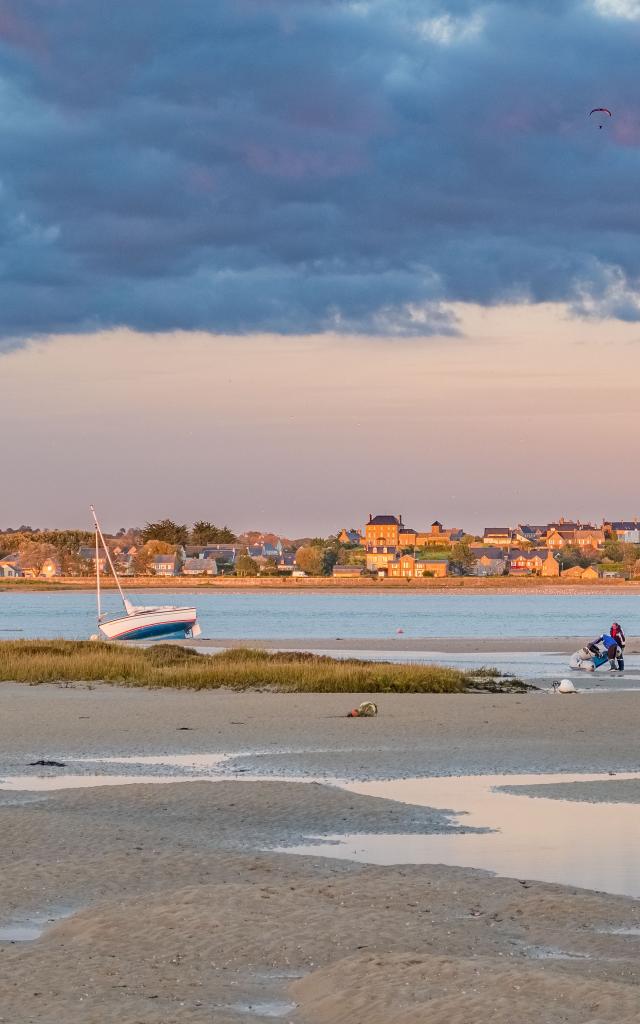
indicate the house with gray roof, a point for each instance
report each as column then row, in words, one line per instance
column 165, row 565
column 627, row 531
column 10, row 566
column 200, row 567
column 489, row 561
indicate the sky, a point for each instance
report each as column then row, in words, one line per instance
column 282, row 263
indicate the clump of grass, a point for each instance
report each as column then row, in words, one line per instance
column 42, row 661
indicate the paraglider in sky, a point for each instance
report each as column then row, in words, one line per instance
column 600, row 115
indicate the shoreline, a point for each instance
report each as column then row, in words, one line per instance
column 391, row 644
column 451, row 584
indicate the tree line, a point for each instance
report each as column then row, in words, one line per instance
column 201, row 532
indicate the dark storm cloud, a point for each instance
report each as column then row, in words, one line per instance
column 242, row 165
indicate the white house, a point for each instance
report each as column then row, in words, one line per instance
column 165, row 565
column 200, row 567
column 10, row 566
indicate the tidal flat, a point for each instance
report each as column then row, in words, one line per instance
column 183, row 908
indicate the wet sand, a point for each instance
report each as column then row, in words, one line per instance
column 451, row 645
column 179, row 910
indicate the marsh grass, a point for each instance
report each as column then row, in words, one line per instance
column 45, row 661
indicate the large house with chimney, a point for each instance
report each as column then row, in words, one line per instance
column 389, row 529
column 388, row 540
column 384, row 531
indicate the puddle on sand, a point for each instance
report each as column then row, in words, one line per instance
column 31, row 929
column 193, row 765
column 592, row 845
column 268, row 1009
column 585, row 844
column 197, row 762
column 629, row 930
column 188, row 763
column 50, row 783
column 21, row 932
column 551, row 953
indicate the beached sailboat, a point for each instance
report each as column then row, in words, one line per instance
column 140, row 622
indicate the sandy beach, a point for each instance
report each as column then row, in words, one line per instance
column 170, row 903
column 435, row 644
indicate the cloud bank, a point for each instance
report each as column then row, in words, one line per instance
column 310, row 165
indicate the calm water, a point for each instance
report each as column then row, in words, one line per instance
column 590, row 844
column 276, row 615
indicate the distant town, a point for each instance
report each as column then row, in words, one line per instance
column 384, row 546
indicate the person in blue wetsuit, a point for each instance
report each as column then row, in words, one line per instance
column 614, row 651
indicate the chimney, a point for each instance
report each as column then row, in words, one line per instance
column 370, row 517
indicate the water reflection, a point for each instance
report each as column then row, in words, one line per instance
column 585, row 844
column 50, row 783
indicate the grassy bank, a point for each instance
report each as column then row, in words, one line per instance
column 46, row 661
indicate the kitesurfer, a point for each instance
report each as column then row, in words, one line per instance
column 602, row 115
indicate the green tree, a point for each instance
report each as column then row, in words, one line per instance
column 246, row 566
column 462, row 557
column 631, row 554
column 141, row 562
column 351, row 555
column 72, row 564
column 572, row 556
column 33, row 555
column 613, row 551
column 323, row 542
column 159, row 547
column 166, row 530
column 311, row 559
column 330, row 557
column 62, row 540
column 204, row 532
column 66, row 540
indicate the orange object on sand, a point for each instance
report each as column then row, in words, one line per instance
column 365, row 710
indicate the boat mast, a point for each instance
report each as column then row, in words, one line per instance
column 108, row 554
column 98, row 577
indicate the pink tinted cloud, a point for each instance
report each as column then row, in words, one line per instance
column 201, row 179
column 17, row 31
column 625, row 129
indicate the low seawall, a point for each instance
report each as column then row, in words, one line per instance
column 468, row 584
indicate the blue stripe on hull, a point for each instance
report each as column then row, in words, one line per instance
column 166, row 629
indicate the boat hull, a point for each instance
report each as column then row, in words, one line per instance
column 179, row 622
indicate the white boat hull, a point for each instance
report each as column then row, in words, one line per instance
column 151, row 624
